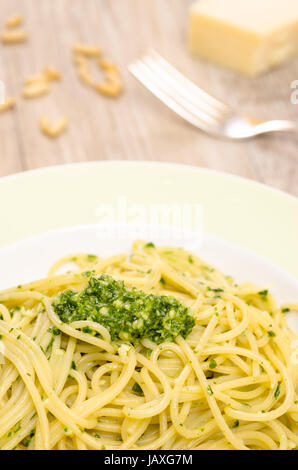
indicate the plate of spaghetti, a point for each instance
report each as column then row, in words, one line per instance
column 138, row 345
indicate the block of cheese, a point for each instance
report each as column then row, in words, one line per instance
column 250, row 36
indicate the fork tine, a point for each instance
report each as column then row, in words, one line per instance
column 182, row 90
column 188, row 84
column 143, row 73
column 167, row 86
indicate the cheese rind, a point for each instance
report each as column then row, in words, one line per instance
column 249, row 35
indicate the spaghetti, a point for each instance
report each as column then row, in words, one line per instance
column 231, row 383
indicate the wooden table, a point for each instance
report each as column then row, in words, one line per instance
column 135, row 126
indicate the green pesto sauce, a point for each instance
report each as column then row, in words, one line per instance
column 128, row 314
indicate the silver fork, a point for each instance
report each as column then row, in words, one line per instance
column 196, row 106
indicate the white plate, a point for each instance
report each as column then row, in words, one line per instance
column 30, row 259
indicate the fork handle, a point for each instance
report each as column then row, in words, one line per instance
column 276, row 126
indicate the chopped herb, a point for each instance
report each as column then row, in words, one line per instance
column 236, row 424
column 277, row 392
column 87, row 329
column 50, row 345
column 150, row 245
column 27, row 441
column 17, row 428
column 19, row 337
column 214, row 290
column 263, row 294
column 1, row 336
column 73, row 365
column 209, row 390
column 137, row 389
column 190, row 259
column 212, row 364
column 285, row 310
column 55, row 331
column 271, row 333
column 91, row 257
column 162, row 280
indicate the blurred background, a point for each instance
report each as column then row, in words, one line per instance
column 133, row 126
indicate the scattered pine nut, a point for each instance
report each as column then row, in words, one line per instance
column 51, row 73
column 38, row 85
column 113, row 85
column 88, row 51
column 35, row 79
column 13, row 21
column 53, row 130
column 9, row 104
column 108, row 66
column 109, row 88
column 13, row 37
column 36, row 89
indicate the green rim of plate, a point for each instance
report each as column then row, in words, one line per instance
column 241, row 211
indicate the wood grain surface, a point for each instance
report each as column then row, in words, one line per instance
column 135, row 126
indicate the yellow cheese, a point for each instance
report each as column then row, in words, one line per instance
column 247, row 35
